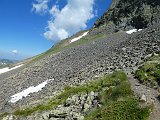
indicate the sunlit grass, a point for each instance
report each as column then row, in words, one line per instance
column 149, row 73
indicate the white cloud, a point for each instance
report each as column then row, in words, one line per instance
column 69, row 20
column 54, row 11
column 40, row 6
column 15, row 51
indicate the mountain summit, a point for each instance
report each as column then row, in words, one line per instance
column 127, row 14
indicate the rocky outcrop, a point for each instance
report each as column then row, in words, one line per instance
column 126, row 14
column 75, row 107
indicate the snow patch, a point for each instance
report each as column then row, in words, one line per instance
column 3, row 70
column 140, row 30
column 26, row 92
column 133, row 31
column 77, row 38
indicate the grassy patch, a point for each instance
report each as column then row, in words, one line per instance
column 149, row 73
column 3, row 115
column 126, row 109
column 118, row 103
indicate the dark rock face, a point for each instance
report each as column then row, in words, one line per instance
column 126, row 14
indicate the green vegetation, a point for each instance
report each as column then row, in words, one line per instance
column 3, row 115
column 149, row 73
column 115, row 95
column 126, row 109
column 118, row 103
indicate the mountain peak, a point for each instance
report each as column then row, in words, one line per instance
column 127, row 14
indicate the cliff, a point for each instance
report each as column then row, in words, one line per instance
column 126, row 14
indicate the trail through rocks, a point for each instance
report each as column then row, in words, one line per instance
column 151, row 95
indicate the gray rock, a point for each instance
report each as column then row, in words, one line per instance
column 143, row 98
column 86, row 107
column 45, row 116
column 10, row 117
column 92, row 93
column 6, row 118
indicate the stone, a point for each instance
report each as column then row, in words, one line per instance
column 95, row 103
column 155, row 54
column 86, row 107
column 6, row 118
column 124, row 49
column 143, row 98
column 78, row 116
column 45, row 116
column 81, row 117
column 92, row 93
column 63, row 115
column 10, row 117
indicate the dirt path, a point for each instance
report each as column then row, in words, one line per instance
column 150, row 94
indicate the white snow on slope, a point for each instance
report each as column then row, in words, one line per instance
column 3, row 70
column 26, row 92
column 77, row 38
column 133, row 30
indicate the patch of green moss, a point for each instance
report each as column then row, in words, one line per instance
column 3, row 115
column 119, row 103
column 149, row 73
column 124, row 109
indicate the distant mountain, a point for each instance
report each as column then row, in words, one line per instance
column 4, row 62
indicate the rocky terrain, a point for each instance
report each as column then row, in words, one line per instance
column 125, row 15
column 77, row 65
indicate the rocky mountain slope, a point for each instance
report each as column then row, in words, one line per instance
column 125, row 15
column 102, row 51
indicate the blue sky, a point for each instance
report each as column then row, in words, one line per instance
column 30, row 27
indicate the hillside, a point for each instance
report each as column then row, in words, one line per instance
column 96, row 76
